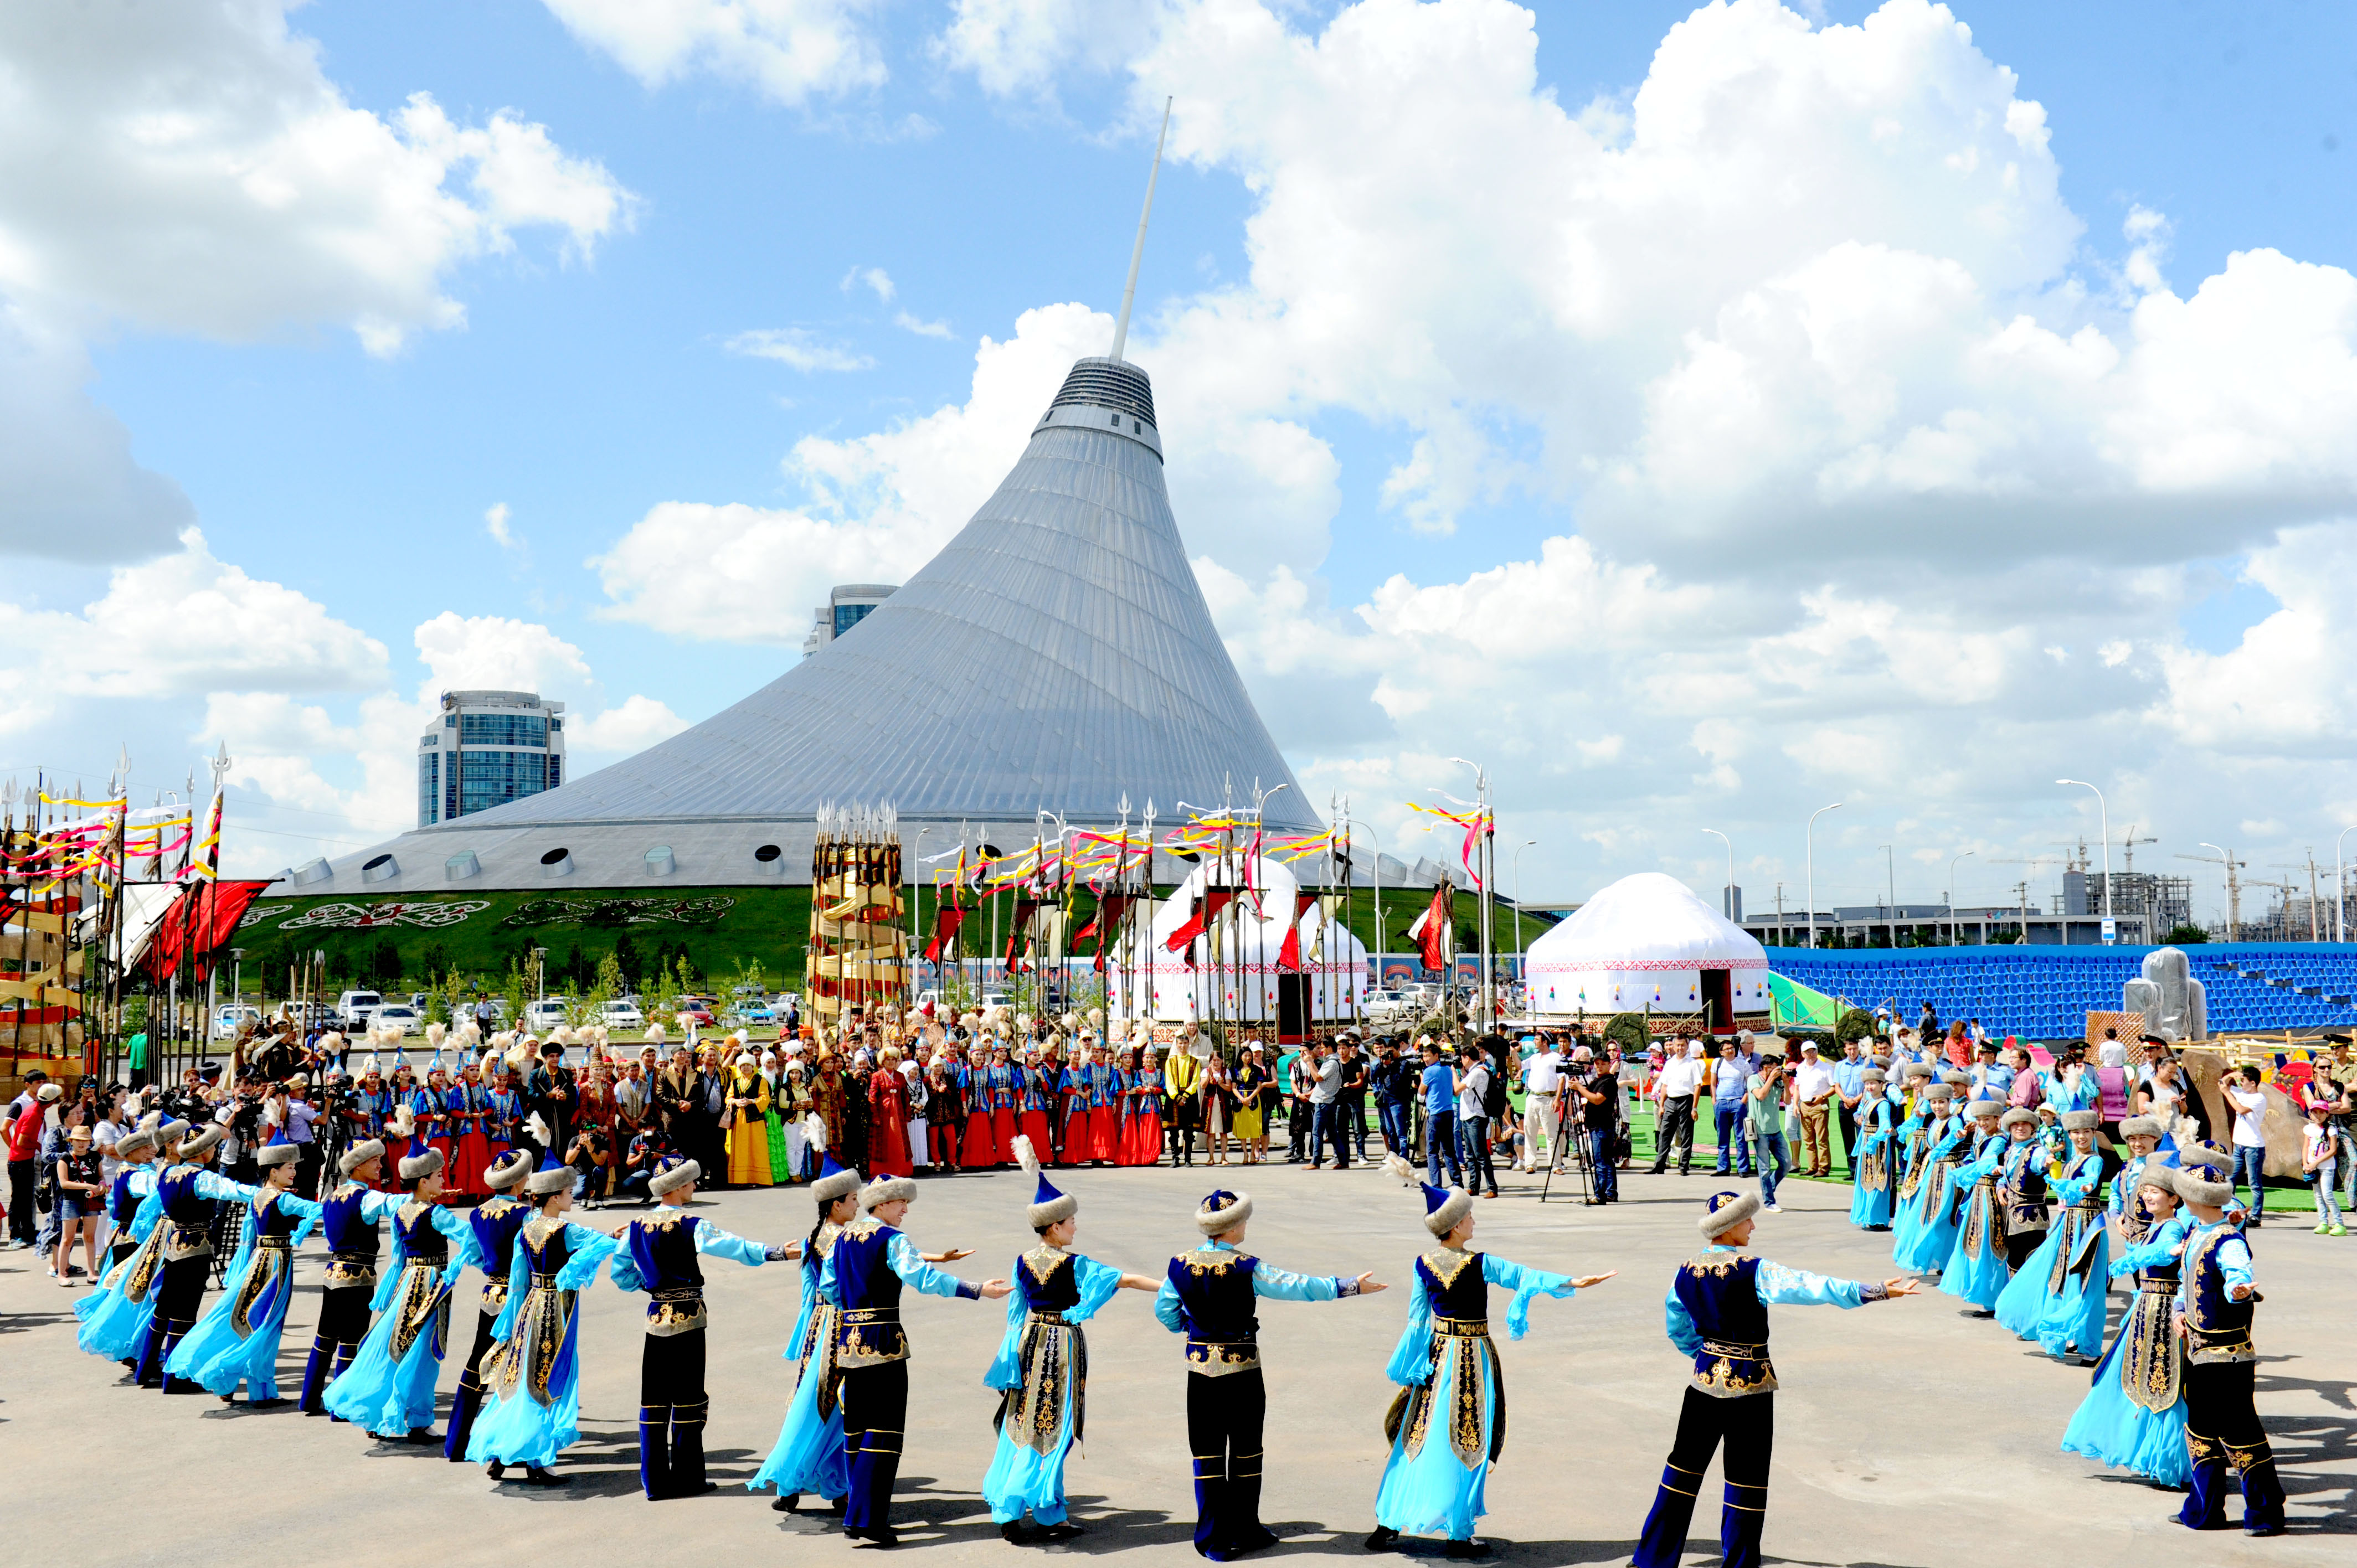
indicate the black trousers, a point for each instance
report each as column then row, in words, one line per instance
column 1182, row 1132
column 2018, row 1245
column 20, row 1199
column 2222, row 1428
column 1748, row 1426
column 1676, row 1128
column 468, row 1402
column 672, row 1411
column 874, row 1414
column 343, row 1324
column 1225, row 1416
column 179, row 1293
column 1846, row 1115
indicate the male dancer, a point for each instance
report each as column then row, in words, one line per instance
column 862, row 1279
column 349, row 1217
column 657, row 1255
column 1207, row 1296
column 496, row 1223
column 1717, row 1311
column 2217, row 1299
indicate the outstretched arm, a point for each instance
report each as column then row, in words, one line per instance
column 1779, row 1286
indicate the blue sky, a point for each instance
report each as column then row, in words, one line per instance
column 598, row 376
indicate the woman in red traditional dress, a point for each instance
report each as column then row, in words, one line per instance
column 597, row 1107
column 887, row 1118
column 471, row 1103
column 1141, row 1124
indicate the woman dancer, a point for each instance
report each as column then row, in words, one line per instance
column 2068, row 1278
column 113, row 1325
column 1977, row 1270
column 1448, row 1425
column 2134, row 1416
column 237, row 1341
column 389, row 1390
column 1874, row 1169
column 1144, row 1146
column 1042, row 1366
column 533, row 1379
column 808, row 1456
column 1930, row 1234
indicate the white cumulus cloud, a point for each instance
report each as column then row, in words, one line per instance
column 792, row 50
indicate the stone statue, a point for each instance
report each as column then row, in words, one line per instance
column 2169, row 997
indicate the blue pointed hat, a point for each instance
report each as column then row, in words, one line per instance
column 1445, row 1207
column 1048, row 1205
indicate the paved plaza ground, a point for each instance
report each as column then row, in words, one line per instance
column 1907, row 1434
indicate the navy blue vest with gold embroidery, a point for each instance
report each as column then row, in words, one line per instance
column 663, row 1249
column 497, row 1221
column 2216, row 1327
column 1720, row 1292
column 1048, row 1280
column 1454, row 1285
column 351, row 1237
column 1216, row 1305
column 870, row 1333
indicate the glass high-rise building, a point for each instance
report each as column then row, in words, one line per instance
column 485, row 749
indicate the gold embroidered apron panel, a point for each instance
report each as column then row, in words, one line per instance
column 272, row 1260
column 526, row 1358
column 1054, row 1357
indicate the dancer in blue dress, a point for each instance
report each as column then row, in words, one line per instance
column 1448, row 1425
column 2134, row 1416
column 237, row 1342
column 1874, row 1165
column 2148, row 1146
column 113, row 1324
column 1716, row 1312
column 532, row 1379
column 2060, row 1294
column 1931, row 1231
column 186, row 1195
column 808, row 1456
column 1976, row 1269
column 496, row 1223
column 1042, row 1366
column 389, row 1390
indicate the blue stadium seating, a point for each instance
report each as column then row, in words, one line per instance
column 2045, row 993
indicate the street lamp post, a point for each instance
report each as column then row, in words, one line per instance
column 1727, row 897
column 1517, row 912
column 1811, row 839
column 2340, row 887
column 2104, row 817
column 1373, row 839
column 2226, row 859
column 1955, row 930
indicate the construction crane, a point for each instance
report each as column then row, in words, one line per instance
column 2225, row 857
column 2315, row 934
column 2127, row 849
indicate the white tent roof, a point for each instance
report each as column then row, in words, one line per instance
column 1648, row 922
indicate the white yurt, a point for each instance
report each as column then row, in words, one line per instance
column 1242, row 977
column 1648, row 944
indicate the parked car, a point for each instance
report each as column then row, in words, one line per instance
column 546, row 1014
column 753, row 1014
column 232, row 1016
column 695, row 1010
column 398, row 1013
column 354, row 1007
column 622, row 1013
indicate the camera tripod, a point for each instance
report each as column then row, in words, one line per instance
column 1574, row 1131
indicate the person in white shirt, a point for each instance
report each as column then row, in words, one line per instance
column 1812, row 1090
column 2248, row 1098
column 1673, row 1094
column 1542, row 1102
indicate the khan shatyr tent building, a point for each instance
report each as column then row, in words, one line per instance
column 1056, row 655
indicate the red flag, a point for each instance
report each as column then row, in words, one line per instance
column 946, row 921
column 200, row 923
column 1289, row 955
column 1112, row 910
column 1206, row 909
column 1023, row 909
column 1431, row 927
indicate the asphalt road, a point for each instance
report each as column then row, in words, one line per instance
column 1907, row 1434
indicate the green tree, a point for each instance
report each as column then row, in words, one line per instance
column 516, row 991
column 2185, row 936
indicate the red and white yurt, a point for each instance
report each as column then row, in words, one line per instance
column 1240, row 970
column 1648, row 944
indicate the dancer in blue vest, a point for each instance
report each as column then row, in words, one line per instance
column 389, row 1389
column 1718, row 1314
column 2217, row 1295
column 1207, row 1295
column 661, row 1254
column 2055, row 1280
column 531, row 1379
column 863, row 1276
column 1448, row 1425
column 113, row 1324
column 2149, row 1147
column 2134, row 1416
column 186, row 1194
column 1042, row 1366
column 808, row 1456
column 496, row 1223
column 237, row 1340
column 1978, row 1270
column 1873, row 1163
column 348, row 1218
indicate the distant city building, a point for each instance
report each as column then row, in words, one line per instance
column 846, row 607
column 485, row 749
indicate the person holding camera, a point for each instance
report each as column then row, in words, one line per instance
column 1596, row 1088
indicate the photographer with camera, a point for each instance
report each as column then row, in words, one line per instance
column 1596, row 1089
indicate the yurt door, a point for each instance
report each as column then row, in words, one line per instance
column 1292, row 1009
column 1717, row 999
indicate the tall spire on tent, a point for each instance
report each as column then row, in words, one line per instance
column 1137, row 251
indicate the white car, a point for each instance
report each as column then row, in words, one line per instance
column 232, row 1016
column 353, row 1008
column 398, row 1013
column 546, row 1014
column 622, row 1013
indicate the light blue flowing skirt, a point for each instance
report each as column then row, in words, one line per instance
column 390, row 1391
column 2071, row 1322
column 2020, row 1303
column 1022, row 1477
column 808, row 1456
column 114, row 1327
column 1870, row 1204
column 1977, row 1279
column 2112, row 1428
column 514, row 1428
column 1432, row 1492
column 216, row 1354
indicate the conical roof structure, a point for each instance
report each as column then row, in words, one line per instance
column 1056, row 655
